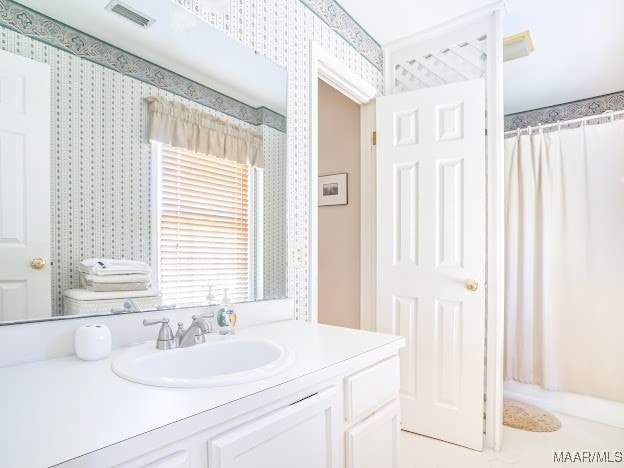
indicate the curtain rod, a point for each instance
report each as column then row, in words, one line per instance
column 607, row 114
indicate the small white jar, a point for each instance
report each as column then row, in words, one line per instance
column 93, row 342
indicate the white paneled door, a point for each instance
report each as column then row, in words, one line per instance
column 25, row 288
column 431, row 254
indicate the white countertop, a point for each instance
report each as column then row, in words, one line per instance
column 59, row 409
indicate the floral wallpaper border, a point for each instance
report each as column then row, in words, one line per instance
column 37, row 26
column 344, row 25
column 571, row 110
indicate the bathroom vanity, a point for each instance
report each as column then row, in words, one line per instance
column 336, row 405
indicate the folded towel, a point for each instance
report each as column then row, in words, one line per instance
column 99, row 287
column 113, row 286
column 86, row 295
column 109, row 266
column 115, row 282
column 116, row 279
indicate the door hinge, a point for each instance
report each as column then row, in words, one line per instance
column 374, row 138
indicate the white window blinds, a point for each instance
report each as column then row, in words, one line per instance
column 204, row 227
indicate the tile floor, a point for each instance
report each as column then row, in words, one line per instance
column 521, row 449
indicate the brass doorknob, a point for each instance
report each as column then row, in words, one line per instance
column 472, row 285
column 37, row 263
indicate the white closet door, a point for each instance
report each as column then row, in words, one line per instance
column 431, row 254
column 25, row 291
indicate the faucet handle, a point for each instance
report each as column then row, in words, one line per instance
column 130, row 306
column 147, row 322
column 165, row 335
column 204, row 315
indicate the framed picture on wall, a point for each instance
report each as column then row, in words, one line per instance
column 333, row 190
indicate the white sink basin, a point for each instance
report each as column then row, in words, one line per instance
column 220, row 361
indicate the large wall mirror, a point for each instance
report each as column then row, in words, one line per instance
column 142, row 161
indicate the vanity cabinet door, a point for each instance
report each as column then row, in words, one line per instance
column 374, row 442
column 303, row 435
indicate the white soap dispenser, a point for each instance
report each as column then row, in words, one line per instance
column 210, row 303
column 210, row 300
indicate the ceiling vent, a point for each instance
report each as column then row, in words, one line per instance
column 130, row 13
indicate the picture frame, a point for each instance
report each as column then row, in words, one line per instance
column 333, row 190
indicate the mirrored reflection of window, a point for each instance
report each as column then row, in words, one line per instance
column 204, row 228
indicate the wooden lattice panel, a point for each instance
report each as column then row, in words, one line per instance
column 465, row 61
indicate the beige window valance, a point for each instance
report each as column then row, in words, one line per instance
column 178, row 125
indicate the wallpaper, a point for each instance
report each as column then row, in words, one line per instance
column 274, row 213
column 341, row 22
column 101, row 165
column 281, row 30
column 568, row 111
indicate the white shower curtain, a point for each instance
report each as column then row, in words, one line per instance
column 564, row 307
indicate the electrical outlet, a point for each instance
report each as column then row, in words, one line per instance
column 296, row 254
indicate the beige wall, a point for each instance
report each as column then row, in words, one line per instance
column 339, row 226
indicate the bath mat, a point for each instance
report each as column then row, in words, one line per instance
column 528, row 417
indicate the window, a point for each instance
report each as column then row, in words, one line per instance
column 204, row 227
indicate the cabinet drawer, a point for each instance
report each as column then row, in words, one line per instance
column 371, row 388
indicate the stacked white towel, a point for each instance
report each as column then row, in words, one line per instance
column 106, row 274
column 109, row 266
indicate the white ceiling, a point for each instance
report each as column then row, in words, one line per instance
column 400, row 18
column 180, row 42
column 579, row 44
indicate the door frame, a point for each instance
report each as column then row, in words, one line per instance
column 328, row 68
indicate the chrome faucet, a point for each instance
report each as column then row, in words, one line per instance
column 195, row 334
